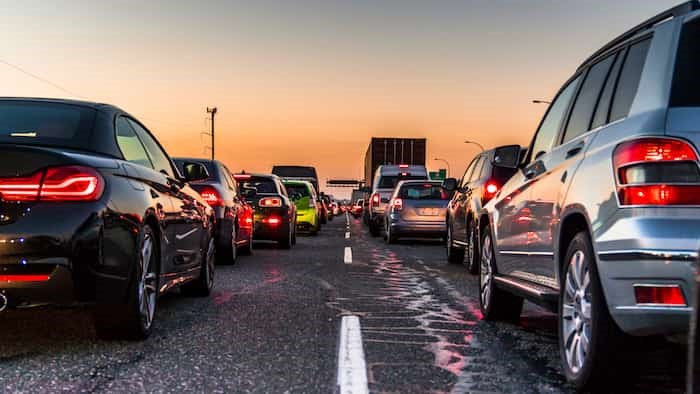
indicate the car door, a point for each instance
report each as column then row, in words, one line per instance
column 459, row 204
column 556, row 168
column 187, row 217
column 143, row 176
column 515, row 210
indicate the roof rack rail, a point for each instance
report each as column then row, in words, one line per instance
column 674, row 12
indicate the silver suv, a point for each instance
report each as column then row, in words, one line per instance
column 602, row 222
column 385, row 180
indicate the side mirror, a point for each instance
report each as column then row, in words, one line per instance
column 195, row 172
column 507, row 156
column 249, row 192
column 449, row 184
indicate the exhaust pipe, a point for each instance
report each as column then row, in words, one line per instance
column 3, row 302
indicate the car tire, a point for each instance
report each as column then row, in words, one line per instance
column 134, row 320
column 374, row 229
column 390, row 236
column 455, row 255
column 294, row 235
column 203, row 285
column 247, row 249
column 471, row 255
column 588, row 366
column 285, row 242
column 496, row 304
column 228, row 254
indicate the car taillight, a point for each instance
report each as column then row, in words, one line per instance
column 376, row 198
column 659, row 295
column 397, row 204
column 66, row 183
column 272, row 220
column 657, row 171
column 211, row 196
column 490, row 190
column 270, row 202
column 242, row 177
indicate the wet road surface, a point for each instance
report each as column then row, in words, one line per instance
column 273, row 326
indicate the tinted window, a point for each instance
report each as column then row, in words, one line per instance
column 427, row 191
column 582, row 111
column 130, row 145
column 158, row 157
column 629, row 80
column 603, row 109
column 230, row 183
column 477, row 170
column 686, row 82
column 37, row 123
column 298, row 189
column 390, row 181
column 547, row 133
column 468, row 171
column 261, row 185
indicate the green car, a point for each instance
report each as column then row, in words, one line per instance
column 308, row 210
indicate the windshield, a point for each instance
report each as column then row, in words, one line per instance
column 427, row 191
column 46, row 123
column 260, row 184
column 390, row 181
column 298, row 190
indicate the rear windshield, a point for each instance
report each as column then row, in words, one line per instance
column 47, row 124
column 423, row 191
column 262, row 185
column 390, row 181
column 211, row 168
column 686, row 82
column 298, row 189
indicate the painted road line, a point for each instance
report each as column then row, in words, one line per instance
column 347, row 235
column 352, row 369
column 348, row 255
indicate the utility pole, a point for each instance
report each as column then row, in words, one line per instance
column 212, row 111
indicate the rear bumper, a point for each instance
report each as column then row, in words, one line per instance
column 264, row 231
column 658, row 249
column 419, row 229
column 307, row 220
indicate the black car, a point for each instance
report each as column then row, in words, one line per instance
column 481, row 181
column 93, row 210
column 220, row 190
column 275, row 215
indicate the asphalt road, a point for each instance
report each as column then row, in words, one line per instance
column 273, row 326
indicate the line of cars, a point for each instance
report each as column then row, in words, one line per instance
column 598, row 219
column 94, row 210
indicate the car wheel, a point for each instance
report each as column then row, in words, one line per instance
column 454, row 254
column 496, row 304
column 374, row 229
column 472, row 253
column 285, row 241
column 227, row 254
column 247, row 249
column 134, row 320
column 203, row 285
column 390, row 237
column 588, row 336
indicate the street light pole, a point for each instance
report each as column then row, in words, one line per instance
column 446, row 163
column 212, row 111
column 475, row 143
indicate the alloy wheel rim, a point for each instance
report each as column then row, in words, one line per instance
column 147, row 282
column 576, row 312
column 486, row 273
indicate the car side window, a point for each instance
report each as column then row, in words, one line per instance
column 468, row 172
column 582, row 112
column 282, row 189
column 603, row 109
column 230, row 183
column 130, row 145
column 628, row 82
column 477, row 170
column 160, row 160
column 549, row 128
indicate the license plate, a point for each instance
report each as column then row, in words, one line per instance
column 429, row 211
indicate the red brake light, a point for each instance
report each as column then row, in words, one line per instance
column 272, row 220
column 490, row 190
column 657, row 171
column 270, row 202
column 66, row 183
column 241, row 177
column 397, row 204
column 376, row 199
column 211, row 196
column 659, row 295
column 23, row 278
column 403, row 165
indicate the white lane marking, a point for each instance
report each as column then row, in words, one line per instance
column 185, row 235
column 352, row 370
column 348, row 255
column 347, row 235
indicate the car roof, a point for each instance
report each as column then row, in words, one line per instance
column 81, row 103
column 388, row 169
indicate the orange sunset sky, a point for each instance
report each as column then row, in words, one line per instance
column 309, row 82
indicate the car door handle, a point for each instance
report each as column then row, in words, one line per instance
column 529, row 173
column 574, row 151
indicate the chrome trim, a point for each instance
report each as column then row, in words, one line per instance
column 517, row 253
column 654, row 308
column 461, row 243
column 646, row 254
column 521, row 286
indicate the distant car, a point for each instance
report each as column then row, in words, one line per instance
column 308, row 206
column 220, row 191
column 416, row 209
column 274, row 213
column 385, row 180
column 93, row 210
column 480, row 183
column 328, row 205
column 356, row 209
column 601, row 223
